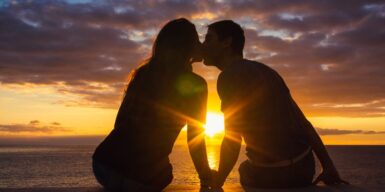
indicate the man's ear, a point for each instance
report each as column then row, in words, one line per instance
column 227, row 42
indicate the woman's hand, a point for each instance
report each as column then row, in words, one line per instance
column 330, row 176
column 207, row 182
column 217, row 182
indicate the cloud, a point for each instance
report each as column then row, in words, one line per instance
column 323, row 131
column 75, row 46
column 330, row 53
column 51, row 140
column 33, row 126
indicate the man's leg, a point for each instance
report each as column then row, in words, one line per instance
column 302, row 172
column 244, row 174
column 264, row 177
column 258, row 177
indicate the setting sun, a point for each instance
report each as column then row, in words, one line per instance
column 214, row 124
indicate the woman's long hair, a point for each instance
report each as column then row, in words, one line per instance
column 171, row 54
column 174, row 46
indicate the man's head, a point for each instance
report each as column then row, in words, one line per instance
column 224, row 38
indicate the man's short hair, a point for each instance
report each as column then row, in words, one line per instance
column 228, row 28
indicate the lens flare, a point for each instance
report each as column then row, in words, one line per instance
column 214, row 124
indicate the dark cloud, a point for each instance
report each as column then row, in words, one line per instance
column 117, row 13
column 75, row 46
column 33, row 126
column 43, row 44
column 47, row 55
column 330, row 53
column 322, row 131
column 332, row 60
column 34, row 122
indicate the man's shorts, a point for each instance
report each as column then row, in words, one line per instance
column 299, row 174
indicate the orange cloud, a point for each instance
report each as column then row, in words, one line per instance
column 33, row 126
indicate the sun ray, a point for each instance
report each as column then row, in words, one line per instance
column 214, row 124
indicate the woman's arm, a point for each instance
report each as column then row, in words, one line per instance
column 197, row 148
column 195, row 134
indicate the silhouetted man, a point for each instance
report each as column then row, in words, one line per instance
column 258, row 107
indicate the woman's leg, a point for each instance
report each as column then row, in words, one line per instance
column 106, row 177
column 114, row 181
column 162, row 179
column 100, row 173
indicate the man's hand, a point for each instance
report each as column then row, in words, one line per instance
column 217, row 181
column 330, row 176
column 207, row 181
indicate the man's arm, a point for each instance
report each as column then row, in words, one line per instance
column 232, row 87
column 317, row 145
column 230, row 148
column 329, row 174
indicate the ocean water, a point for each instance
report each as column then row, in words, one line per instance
column 70, row 166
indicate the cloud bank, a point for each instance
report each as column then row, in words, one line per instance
column 330, row 53
column 33, row 126
column 325, row 132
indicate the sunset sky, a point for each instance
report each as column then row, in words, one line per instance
column 64, row 63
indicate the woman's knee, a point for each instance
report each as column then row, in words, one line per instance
column 99, row 173
column 106, row 177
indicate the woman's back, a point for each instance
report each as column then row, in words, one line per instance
column 149, row 120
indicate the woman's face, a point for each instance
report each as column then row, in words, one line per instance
column 197, row 50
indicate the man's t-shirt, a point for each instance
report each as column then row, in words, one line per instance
column 258, row 105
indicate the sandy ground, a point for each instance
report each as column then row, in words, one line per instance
column 226, row 188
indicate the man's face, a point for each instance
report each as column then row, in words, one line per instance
column 212, row 49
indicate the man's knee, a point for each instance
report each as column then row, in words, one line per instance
column 244, row 173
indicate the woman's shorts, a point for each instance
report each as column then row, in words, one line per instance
column 113, row 181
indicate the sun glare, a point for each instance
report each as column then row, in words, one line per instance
column 214, row 124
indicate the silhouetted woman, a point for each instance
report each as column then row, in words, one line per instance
column 162, row 96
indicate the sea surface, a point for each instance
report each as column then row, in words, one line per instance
column 70, row 166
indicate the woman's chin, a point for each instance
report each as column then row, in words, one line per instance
column 207, row 62
column 195, row 60
column 200, row 59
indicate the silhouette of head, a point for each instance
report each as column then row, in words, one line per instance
column 176, row 44
column 222, row 38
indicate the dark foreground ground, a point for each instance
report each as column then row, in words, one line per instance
column 230, row 188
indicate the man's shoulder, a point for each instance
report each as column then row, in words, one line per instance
column 244, row 69
column 258, row 65
column 246, row 66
